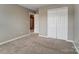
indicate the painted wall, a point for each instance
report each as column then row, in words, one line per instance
column 76, row 26
column 43, row 19
column 36, row 23
column 14, row 22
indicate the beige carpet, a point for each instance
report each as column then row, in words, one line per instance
column 37, row 45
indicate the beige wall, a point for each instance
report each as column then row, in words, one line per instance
column 43, row 19
column 14, row 22
column 76, row 26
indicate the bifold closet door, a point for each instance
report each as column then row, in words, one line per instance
column 62, row 23
column 51, row 31
column 58, row 23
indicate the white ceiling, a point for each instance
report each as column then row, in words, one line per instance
column 32, row 6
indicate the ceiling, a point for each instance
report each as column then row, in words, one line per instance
column 33, row 6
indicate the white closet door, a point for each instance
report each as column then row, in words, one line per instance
column 58, row 23
column 51, row 25
column 62, row 23
column 36, row 23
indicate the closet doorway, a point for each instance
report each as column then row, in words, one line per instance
column 58, row 23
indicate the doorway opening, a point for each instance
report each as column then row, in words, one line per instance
column 31, row 23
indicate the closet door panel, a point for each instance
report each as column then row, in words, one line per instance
column 62, row 24
column 52, row 25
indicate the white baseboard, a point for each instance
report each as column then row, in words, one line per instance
column 60, row 39
column 70, row 41
column 14, row 39
column 43, row 36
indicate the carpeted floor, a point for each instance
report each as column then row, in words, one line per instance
column 37, row 45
